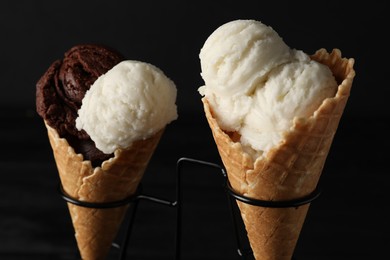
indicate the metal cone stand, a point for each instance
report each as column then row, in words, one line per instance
column 231, row 194
column 133, row 200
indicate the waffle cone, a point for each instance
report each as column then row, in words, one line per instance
column 116, row 179
column 289, row 171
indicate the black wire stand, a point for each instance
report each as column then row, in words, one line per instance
column 134, row 199
column 231, row 194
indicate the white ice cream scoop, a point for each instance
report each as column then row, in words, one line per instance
column 256, row 85
column 132, row 101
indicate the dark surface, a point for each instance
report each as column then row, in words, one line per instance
column 348, row 221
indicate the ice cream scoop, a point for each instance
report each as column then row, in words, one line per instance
column 131, row 102
column 238, row 55
column 257, row 85
column 62, row 87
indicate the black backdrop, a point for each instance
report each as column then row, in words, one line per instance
column 170, row 35
column 348, row 222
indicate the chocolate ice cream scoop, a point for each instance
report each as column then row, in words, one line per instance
column 60, row 90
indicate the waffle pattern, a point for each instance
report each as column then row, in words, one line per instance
column 289, row 171
column 116, row 179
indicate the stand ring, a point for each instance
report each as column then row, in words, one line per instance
column 294, row 203
column 98, row 205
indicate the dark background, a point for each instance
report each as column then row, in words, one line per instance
column 348, row 221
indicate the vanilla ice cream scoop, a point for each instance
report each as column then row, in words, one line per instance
column 256, row 85
column 239, row 55
column 131, row 102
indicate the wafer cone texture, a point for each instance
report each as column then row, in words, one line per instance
column 288, row 171
column 116, row 179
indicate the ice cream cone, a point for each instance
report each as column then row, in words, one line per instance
column 116, row 179
column 289, row 171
